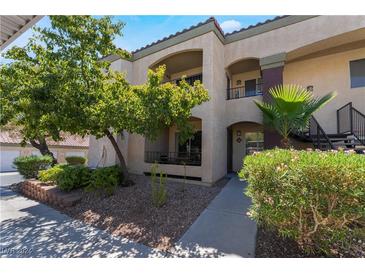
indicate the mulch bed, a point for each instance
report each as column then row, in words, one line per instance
column 269, row 244
column 129, row 211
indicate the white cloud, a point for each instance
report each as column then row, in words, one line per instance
column 230, row 25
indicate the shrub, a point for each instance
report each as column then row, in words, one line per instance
column 50, row 175
column 75, row 160
column 73, row 177
column 28, row 166
column 105, row 179
column 311, row 196
column 159, row 193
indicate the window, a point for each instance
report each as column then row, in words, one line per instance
column 250, row 87
column 191, row 79
column 357, row 73
column 192, row 145
column 254, row 142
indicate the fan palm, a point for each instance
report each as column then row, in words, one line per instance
column 290, row 109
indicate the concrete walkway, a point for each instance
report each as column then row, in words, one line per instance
column 223, row 229
column 30, row 229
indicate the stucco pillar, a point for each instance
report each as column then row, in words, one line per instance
column 272, row 68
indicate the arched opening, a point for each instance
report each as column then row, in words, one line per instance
column 186, row 63
column 244, row 138
column 244, row 79
column 167, row 149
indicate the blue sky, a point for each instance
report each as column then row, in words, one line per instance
column 142, row 30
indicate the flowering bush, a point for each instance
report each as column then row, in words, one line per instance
column 51, row 174
column 314, row 197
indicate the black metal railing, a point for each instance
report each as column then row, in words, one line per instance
column 351, row 121
column 358, row 125
column 173, row 158
column 344, row 119
column 241, row 92
column 318, row 135
column 190, row 80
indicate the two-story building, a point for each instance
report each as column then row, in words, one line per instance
column 321, row 53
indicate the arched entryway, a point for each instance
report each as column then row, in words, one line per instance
column 243, row 139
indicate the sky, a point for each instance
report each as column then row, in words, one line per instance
column 142, row 30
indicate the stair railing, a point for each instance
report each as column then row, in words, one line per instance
column 318, row 135
column 351, row 121
column 358, row 125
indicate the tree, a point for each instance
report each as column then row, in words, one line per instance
column 40, row 87
column 290, row 109
column 93, row 99
column 27, row 97
column 148, row 108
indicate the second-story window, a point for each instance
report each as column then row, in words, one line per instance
column 191, row 79
column 357, row 73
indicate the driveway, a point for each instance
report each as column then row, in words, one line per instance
column 30, row 229
column 8, row 178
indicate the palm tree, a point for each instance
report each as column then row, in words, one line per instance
column 290, row 109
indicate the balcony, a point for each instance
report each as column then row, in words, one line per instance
column 191, row 79
column 242, row 92
column 173, row 158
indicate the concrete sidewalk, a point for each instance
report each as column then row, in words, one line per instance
column 223, row 229
column 29, row 229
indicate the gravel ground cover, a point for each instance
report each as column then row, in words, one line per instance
column 129, row 211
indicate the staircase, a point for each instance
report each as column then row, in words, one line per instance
column 350, row 131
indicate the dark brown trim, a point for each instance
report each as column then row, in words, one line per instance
column 271, row 77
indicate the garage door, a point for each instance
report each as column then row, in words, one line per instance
column 75, row 153
column 6, row 160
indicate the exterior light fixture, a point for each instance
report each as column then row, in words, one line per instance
column 310, row 88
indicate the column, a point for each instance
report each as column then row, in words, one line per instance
column 272, row 75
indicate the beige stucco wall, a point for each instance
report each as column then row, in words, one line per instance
column 291, row 37
column 328, row 73
column 325, row 73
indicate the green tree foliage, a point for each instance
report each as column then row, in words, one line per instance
column 81, row 94
column 290, row 109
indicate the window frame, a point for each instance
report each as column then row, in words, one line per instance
column 353, row 85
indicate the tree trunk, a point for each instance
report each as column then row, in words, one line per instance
column 119, row 154
column 43, row 148
column 285, row 143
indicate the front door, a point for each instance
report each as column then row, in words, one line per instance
column 250, row 87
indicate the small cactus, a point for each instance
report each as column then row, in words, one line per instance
column 159, row 193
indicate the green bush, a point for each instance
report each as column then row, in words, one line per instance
column 105, row 179
column 313, row 197
column 75, row 160
column 28, row 166
column 50, row 175
column 159, row 193
column 73, row 177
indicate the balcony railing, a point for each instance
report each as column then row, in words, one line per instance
column 241, row 92
column 173, row 158
column 191, row 79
